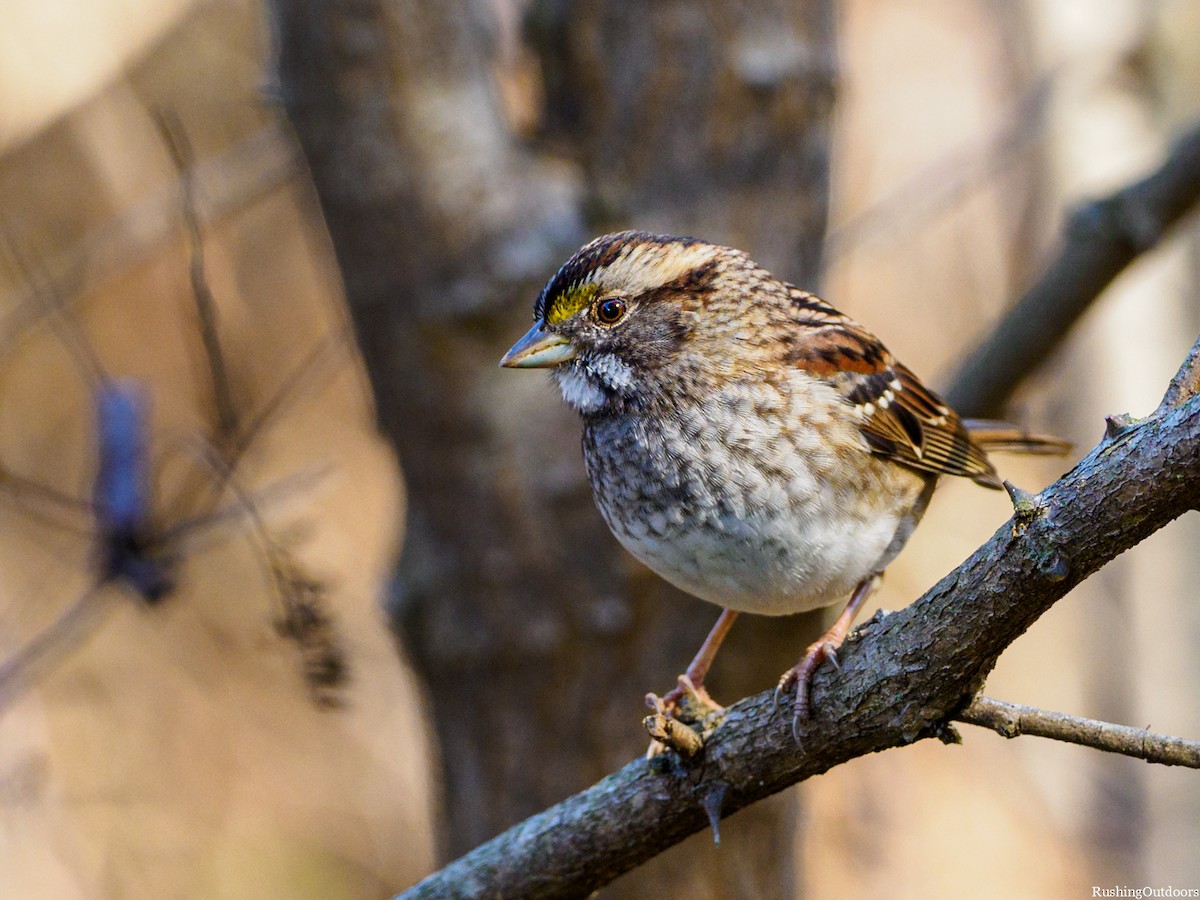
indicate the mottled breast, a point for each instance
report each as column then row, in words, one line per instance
column 758, row 500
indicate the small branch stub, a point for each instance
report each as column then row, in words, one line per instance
column 1026, row 507
column 714, row 797
column 1116, row 426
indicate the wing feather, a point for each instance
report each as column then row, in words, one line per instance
column 901, row 419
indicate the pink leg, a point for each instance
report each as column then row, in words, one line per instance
column 692, row 681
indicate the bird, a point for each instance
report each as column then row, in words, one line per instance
column 744, row 439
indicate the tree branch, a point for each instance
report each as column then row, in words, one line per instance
column 1101, row 239
column 1012, row 720
column 1185, row 384
column 903, row 677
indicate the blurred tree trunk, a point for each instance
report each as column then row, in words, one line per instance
column 537, row 635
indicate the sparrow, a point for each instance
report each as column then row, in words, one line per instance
column 743, row 439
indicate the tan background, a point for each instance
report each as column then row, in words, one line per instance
column 176, row 755
column 177, row 751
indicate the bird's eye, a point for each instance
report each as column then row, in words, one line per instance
column 610, row 311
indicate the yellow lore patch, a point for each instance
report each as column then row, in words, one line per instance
column 571, row 301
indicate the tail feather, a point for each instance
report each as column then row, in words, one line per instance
column 1003, row 437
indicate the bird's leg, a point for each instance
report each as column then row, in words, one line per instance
column 691, row 683
column 825, row 648
column 688, row 701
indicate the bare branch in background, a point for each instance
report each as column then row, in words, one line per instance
column 221, row 185
column 1101, row 238
column 182, row 155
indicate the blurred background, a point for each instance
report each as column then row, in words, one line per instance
column 308, row 230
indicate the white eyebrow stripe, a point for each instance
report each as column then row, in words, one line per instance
column 644, row 267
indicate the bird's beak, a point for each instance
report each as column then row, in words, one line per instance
column 538, row 349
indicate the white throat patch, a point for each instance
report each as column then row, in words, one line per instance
column 586, row 383
column 578, row 389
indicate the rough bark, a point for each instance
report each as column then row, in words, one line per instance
column 704, row 117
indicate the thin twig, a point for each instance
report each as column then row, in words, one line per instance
column 1102, row 238
column 180, row 149
column 47, row 648
column 231, row 181
column 1012, row 720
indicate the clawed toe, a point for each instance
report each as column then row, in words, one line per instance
column 797, row 680
column 786, row 680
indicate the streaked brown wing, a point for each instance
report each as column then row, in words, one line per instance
column 901, row 419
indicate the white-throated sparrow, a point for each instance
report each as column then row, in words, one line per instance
column 744, row 439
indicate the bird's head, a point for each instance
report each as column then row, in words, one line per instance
column 621, row 315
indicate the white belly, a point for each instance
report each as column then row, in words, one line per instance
column 770, row 566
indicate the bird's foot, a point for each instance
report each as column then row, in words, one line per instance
column 689, row 705
column 799, row 677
